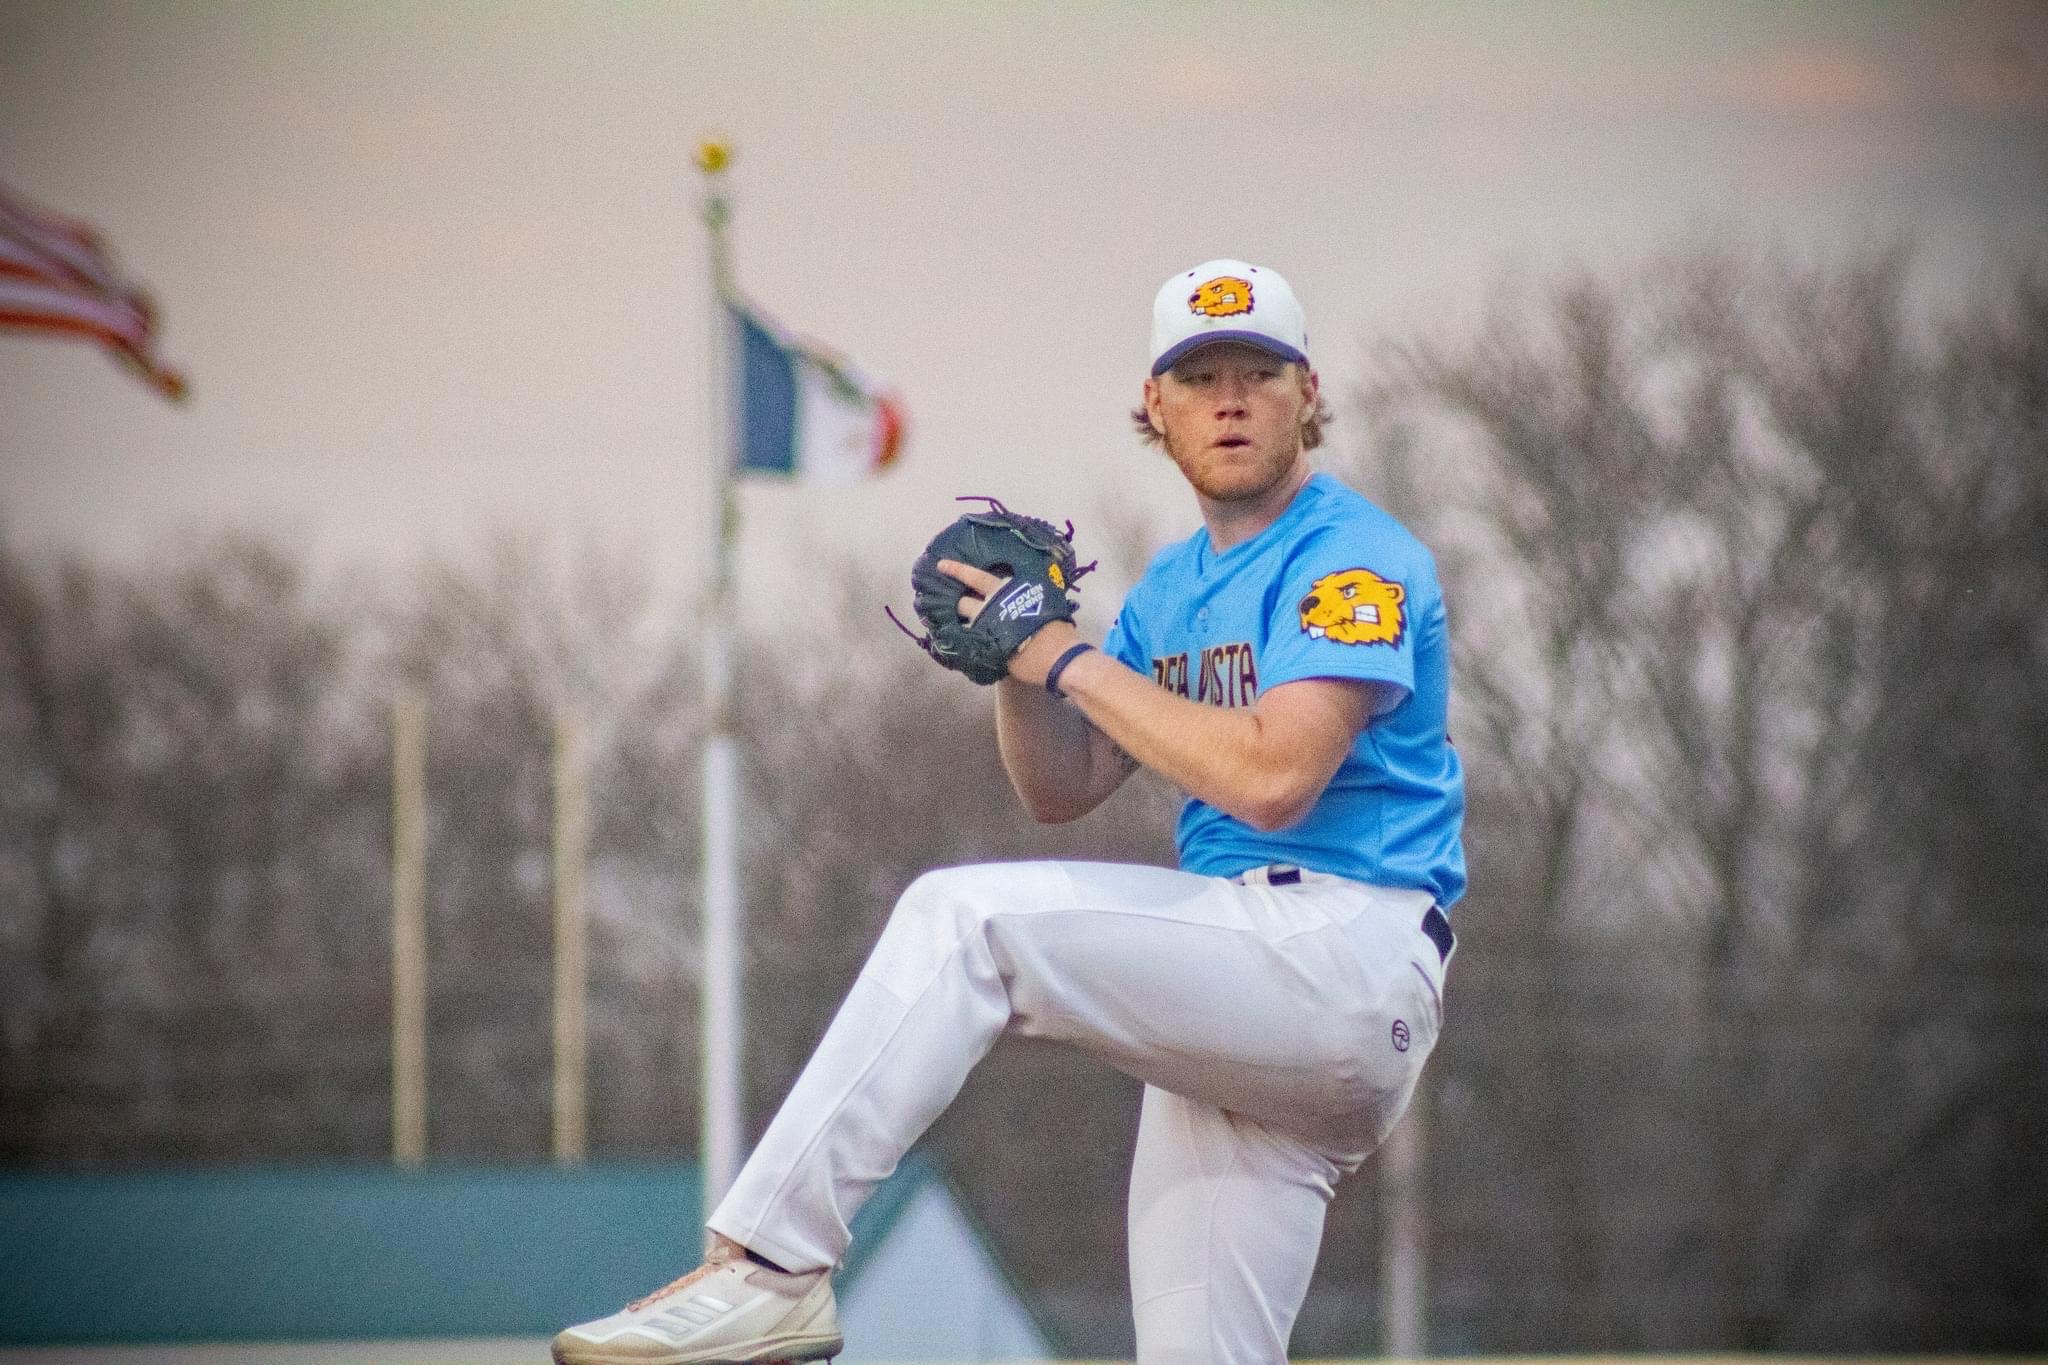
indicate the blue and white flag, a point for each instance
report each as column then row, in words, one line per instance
column 805, row 413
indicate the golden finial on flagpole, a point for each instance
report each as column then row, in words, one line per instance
column 713, row 155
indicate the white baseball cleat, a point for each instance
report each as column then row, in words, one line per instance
column 726, row 1311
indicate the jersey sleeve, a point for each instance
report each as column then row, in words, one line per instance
column 1346, row 606
column 1125, row 643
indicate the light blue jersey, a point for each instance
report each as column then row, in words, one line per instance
column 1335, row 588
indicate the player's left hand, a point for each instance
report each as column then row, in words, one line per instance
column 980, row 584
column 1035, row 656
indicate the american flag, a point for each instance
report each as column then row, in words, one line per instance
column 56, row 278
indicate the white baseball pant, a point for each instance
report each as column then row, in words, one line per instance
column 1279, row 1031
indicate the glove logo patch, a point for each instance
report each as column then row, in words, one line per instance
column 1028, row 601
column 1355, row 607
column 1223, row 297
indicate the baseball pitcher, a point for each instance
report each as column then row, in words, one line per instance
column 1287, row 666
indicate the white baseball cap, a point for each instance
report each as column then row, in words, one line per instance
column 1226, row 301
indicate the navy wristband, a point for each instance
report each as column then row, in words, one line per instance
column 1059, row 666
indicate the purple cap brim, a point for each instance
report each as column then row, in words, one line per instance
column 1172, row 355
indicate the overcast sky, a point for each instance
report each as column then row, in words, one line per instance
column 435, row 269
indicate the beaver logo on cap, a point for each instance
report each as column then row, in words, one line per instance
column 1225, row 296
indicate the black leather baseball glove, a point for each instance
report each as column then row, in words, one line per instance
column 1035, row 556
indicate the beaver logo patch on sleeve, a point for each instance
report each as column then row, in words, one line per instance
column 1223, row 297
column 1355, row 607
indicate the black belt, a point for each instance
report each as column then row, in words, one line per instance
column 1434, row 923
column 1439, row 930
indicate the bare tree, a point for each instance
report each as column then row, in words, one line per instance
column 183, row 804
column 499, row 645
column 1679, row 521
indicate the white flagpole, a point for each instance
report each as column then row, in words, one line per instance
column 721, row 979
column 408, row 930
column 1402, row 1255
column 572, row 942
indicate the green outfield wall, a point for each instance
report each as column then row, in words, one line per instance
column 344, row 1253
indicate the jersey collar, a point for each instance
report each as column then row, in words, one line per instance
column 1311, row 492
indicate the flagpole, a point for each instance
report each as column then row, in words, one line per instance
column 572, row 942
column 721, row 979
column 408, row 930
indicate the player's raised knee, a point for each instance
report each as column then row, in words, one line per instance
column 937, row 894
column 959, row 894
